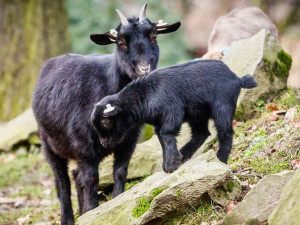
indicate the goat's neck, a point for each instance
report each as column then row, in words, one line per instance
column 136, row 98
column 118, row 78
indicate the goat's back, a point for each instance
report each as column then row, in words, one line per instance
column 64, row 97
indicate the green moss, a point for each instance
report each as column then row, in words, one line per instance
column 281, row 67
column 229, row 186
column 144, row 203
column 178, row 193
column 142, row 206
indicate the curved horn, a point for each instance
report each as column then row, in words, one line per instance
column 143, row 13
column 123, row 18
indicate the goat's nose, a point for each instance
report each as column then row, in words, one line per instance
column 145, row 68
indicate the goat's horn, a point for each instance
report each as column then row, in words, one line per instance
column 123, row 18
column 143, row 13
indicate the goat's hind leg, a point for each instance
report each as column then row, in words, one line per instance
column 199, row 134
column 62, row 181
column 223, row 116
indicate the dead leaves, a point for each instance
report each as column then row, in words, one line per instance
column 231, row 206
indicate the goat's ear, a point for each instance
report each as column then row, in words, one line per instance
column 165, row 28
column 103, row 39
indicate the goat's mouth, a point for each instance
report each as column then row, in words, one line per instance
column 143, row 70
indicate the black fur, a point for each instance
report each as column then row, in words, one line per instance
column 193, row 92
column 63, row 101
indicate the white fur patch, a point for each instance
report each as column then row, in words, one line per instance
column 108, row 109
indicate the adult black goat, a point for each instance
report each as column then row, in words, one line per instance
column 67, row 89
column 194, row 92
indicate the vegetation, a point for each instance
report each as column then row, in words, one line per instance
column 144, row 203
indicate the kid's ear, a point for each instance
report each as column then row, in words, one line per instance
column 105, row 38
column 163, row 28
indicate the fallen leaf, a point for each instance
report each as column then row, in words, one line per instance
column 231, row 206
column 272, row 107
column 295, row 164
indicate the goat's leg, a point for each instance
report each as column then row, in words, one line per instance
column 171, row 156
column 122, row 156
column 62, row 181
column 223, row 116
column 79, row 189
column 199, row 134
column 87, row 183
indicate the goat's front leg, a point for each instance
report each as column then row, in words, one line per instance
column 87, row 184
column 122, row 156
column 171, row 156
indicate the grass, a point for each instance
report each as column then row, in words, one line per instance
column 144, row 203
column 28, row 176
column 206, row 212
column 265, row 145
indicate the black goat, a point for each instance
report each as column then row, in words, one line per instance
column 194, row 92
column 67, row 89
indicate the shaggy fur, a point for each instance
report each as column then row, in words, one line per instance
column 67, row 89
column 193, row 92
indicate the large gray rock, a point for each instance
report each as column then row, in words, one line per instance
column 288, row 209
column 259, row 203
column 147, row 157
column 263, row 57
column 161, row 195
column 20, row 129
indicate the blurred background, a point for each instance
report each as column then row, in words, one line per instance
column 31, row 31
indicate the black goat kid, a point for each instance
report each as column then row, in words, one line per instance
column 64, row 98
column 194, row 92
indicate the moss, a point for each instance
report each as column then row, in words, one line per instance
column 27, row 47
column 229, row 186
column 281, row 67
column 178, row 193
column 144, row 203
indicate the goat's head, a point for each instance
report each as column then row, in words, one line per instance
column 110, row 121
column 137, row 50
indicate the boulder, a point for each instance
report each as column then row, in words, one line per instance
column 259, row 203
column 263, row 57
column 147, row 157
column 161, row 195
column 288, row 209
column 22, row 129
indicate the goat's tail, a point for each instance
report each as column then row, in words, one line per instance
column 248, row 82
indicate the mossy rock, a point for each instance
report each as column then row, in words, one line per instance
column 161, row 195
column 20, row 130
column 263, row 57
column 288, row 209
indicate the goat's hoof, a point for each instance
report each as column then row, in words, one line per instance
column 69, row 221
column 172, row 165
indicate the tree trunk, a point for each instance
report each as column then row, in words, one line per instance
column 31, row 31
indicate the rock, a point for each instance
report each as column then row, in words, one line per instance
column 161, row 195
column 147, row 157
column 288, row 209
column 263, row 57
column 20, row 129
column 259, row 203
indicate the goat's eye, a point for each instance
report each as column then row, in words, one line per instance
column 105, row 122
column 122, row 45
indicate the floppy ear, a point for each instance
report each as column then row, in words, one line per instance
column 165, row 28
column 103, row 39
